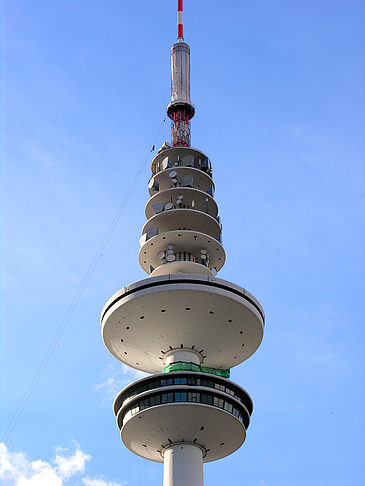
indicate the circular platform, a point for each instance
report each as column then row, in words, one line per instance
column 188, row 241
column 191, row 380
column 175, row 155
column 184, row 219
column 144, row 320
column 151, row 430
column 201, row 180
column 203, row 201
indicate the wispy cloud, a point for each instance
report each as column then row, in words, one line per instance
column 118, row 378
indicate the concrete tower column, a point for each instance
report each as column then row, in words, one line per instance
column 181, row 354
column 183, row 465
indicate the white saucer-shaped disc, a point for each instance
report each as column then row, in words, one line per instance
column 189, row 241
column 202, row 200
column 177, row 155
column 141, row 322
column 218, row 431
column 189, row 219
column 201, row 180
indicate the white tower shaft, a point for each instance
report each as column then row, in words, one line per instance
column 183, row 465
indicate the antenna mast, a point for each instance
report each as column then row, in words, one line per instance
column 180, row 109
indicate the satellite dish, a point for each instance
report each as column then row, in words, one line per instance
column 187, row 180
column 168, row 206
column 153, row 185
column 173, row 173
column 165, row 163
column 171, row 258
column 188, row 160
column 170, row 247
column 161, row 255
column 158, row 207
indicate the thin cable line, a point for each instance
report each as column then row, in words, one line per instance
column 76, row 298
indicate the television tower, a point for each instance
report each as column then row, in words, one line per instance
column 183, row 325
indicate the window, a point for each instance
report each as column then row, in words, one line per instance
column 207, row 399
column 135, row 409
column 180, row 381
column 194, row 397
column 144, row 404
column 180, row 396
column 167, row 397
column 156, row 400
column 220, row 387
column 235, row 412
column 228, row 407
column 208, row 383
column 218, row 402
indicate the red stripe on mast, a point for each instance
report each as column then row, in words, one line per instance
column 180, row 27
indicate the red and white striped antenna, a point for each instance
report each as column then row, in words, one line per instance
column 180, row 24
column 180, row 109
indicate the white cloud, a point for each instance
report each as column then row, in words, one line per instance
column 68, row 466
column 101, row 482
column 17, row 470
column 37, row 473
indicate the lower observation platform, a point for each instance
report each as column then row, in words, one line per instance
column 144, row 321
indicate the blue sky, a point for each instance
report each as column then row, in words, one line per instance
column 279, row 93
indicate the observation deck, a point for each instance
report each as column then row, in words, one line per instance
column 205, row 410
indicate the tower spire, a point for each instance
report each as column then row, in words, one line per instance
column 180, row 23
column 180, row 109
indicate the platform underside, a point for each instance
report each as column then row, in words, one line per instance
column 148, row 432
column 142, row 322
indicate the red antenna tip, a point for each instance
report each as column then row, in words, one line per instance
column 180, row 27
